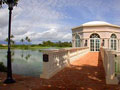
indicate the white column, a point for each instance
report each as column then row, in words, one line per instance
column 106, row 41
column 116, row 44
column 109, row 44
column 73, row 40
column 73, row 43
column 89, row 43
column 83, row 42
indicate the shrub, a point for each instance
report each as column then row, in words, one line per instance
column 2, row 67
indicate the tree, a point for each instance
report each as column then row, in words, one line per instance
column 48, row 43
column 56, row 44
column 11, row 36
column 22, row 40
column 11, row 40
column 29, row 40
column 7, row 1
column 26, row 38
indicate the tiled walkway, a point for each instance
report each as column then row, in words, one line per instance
column 86, row 73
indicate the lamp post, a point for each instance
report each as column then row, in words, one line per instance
column 9, row 66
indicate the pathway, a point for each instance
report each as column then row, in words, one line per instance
column 86, row 73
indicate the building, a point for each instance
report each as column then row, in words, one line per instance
column 96, row 34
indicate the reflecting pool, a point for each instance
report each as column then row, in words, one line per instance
column 24, row 62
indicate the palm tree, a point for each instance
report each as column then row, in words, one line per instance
column 15, row 2
column 11, row 40
column 22, row 40
column 6, row 39
column 29, row 40
column 26, row 38
column 11, row 36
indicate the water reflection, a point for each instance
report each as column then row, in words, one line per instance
column 24, row 62
column 12, row 54
column 25, row 56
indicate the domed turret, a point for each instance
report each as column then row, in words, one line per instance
column 94, row 23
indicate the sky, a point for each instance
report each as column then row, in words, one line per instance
column 43, row 20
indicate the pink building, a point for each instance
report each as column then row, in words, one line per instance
column 96, row 34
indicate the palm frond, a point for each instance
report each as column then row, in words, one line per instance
column 15, row 2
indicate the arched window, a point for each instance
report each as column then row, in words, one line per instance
column 113, row 36
column 94, row 42
column 113, row 41
column 94, row 36
column 77, row 40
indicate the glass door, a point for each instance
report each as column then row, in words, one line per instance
column 113, row 44
column 94, row 44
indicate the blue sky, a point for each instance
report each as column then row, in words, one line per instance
column 43, row 20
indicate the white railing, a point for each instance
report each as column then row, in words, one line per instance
column 58, row 59
column 108, row 58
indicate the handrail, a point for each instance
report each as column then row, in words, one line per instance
column 108, row 58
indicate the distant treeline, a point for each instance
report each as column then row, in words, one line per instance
column 56, row 44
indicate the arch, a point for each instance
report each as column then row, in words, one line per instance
column 113, row 36
column 113, row 42
column 77, row 40
column 94, row 35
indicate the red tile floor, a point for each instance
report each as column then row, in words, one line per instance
column 86, row 73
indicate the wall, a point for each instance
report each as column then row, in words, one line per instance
column 108, row 58
column 58, row 59
column 104, row 32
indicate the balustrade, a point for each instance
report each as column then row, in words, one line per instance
column 58, row 59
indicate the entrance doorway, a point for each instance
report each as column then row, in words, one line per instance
column 94, row 42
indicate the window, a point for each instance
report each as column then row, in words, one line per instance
column 113, row 41
column 77, row 40
column 94, row 36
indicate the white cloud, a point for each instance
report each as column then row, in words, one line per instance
column 53, row 19
column 3, row 17
column 39, row 21
column 52, row 34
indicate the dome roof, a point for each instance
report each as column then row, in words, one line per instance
column 96, row 23
column 93, row 23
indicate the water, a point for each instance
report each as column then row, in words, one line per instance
column 24, row 62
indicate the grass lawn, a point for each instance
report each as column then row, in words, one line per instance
column 36, row 47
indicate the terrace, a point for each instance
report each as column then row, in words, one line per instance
column 74, row 69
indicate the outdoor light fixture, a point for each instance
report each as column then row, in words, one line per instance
column 11, row 4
